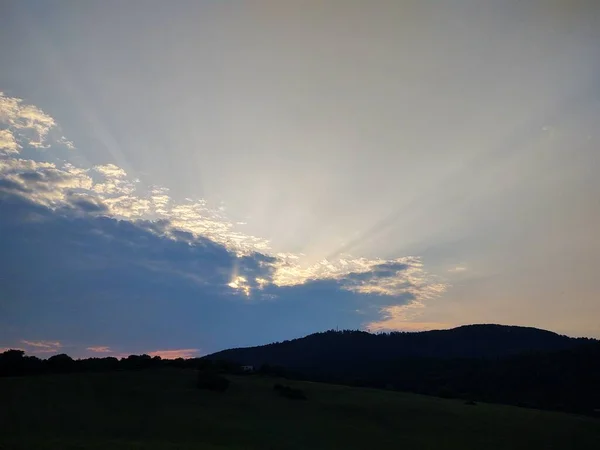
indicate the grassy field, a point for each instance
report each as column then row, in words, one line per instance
column 162, row 409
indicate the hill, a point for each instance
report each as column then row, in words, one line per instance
column 348, row 347
column 505, row 364
column 162, row 409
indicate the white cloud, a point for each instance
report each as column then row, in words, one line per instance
column 64, row 141
column 410, row 277
column 114, row 182
column 8, row 143
column 196, row 217
column 113, row 186
column 31, row 122
column 240, row 283
column 110, row 171
column 160, row 200
column 128, row 206
column 16, row 165
column 43, row 182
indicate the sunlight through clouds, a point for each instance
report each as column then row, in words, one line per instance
column 107, row 189
column 249, row 175
column 380, row 277
column 240, row 283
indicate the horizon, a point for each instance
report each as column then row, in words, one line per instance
column 179, row 179
column 188, row 354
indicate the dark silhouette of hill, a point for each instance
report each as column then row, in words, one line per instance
column 494, row 363
column 332, row 348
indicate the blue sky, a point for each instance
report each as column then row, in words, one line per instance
column 185, row 177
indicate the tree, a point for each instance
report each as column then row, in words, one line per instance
column 61, row 363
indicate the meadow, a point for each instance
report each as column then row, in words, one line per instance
column 163, row 409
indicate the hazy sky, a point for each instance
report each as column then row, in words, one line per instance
column 187, row 176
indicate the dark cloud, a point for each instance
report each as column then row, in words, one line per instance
column 84, row 279
column 35, row 176
column 385, row 270
column 11, row 186
column 86, row 204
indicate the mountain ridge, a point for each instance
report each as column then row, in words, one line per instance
column 466, row 341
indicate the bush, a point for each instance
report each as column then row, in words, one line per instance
column 212, row 382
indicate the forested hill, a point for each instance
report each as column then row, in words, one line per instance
column 331, row 348
column 493, row 363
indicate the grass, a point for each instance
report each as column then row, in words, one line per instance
column 162, row 409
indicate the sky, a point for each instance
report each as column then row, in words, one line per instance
column 178, row 178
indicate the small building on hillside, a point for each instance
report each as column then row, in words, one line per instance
column 247, row 369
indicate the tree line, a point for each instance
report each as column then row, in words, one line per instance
column 17, row 363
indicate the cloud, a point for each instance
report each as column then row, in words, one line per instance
column 160, row 200
column 199, row 219
column 50, row 185
column 100, row 349
column 457, row 269
column 406, row 317
column 110, row 171
column 109, row 265
column 114, row 183
column 127, row 206
column 42, row 346
column 86, row 203
column 8, row 143
column 95, row 247
column 97, row 277
column 42, row 182
column 394, row 278
column 64, row 141
column 240, row 283
column 174, row 354
column 31, row 122
column 106, row 189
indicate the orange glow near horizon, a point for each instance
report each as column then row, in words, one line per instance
column 184, row 353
